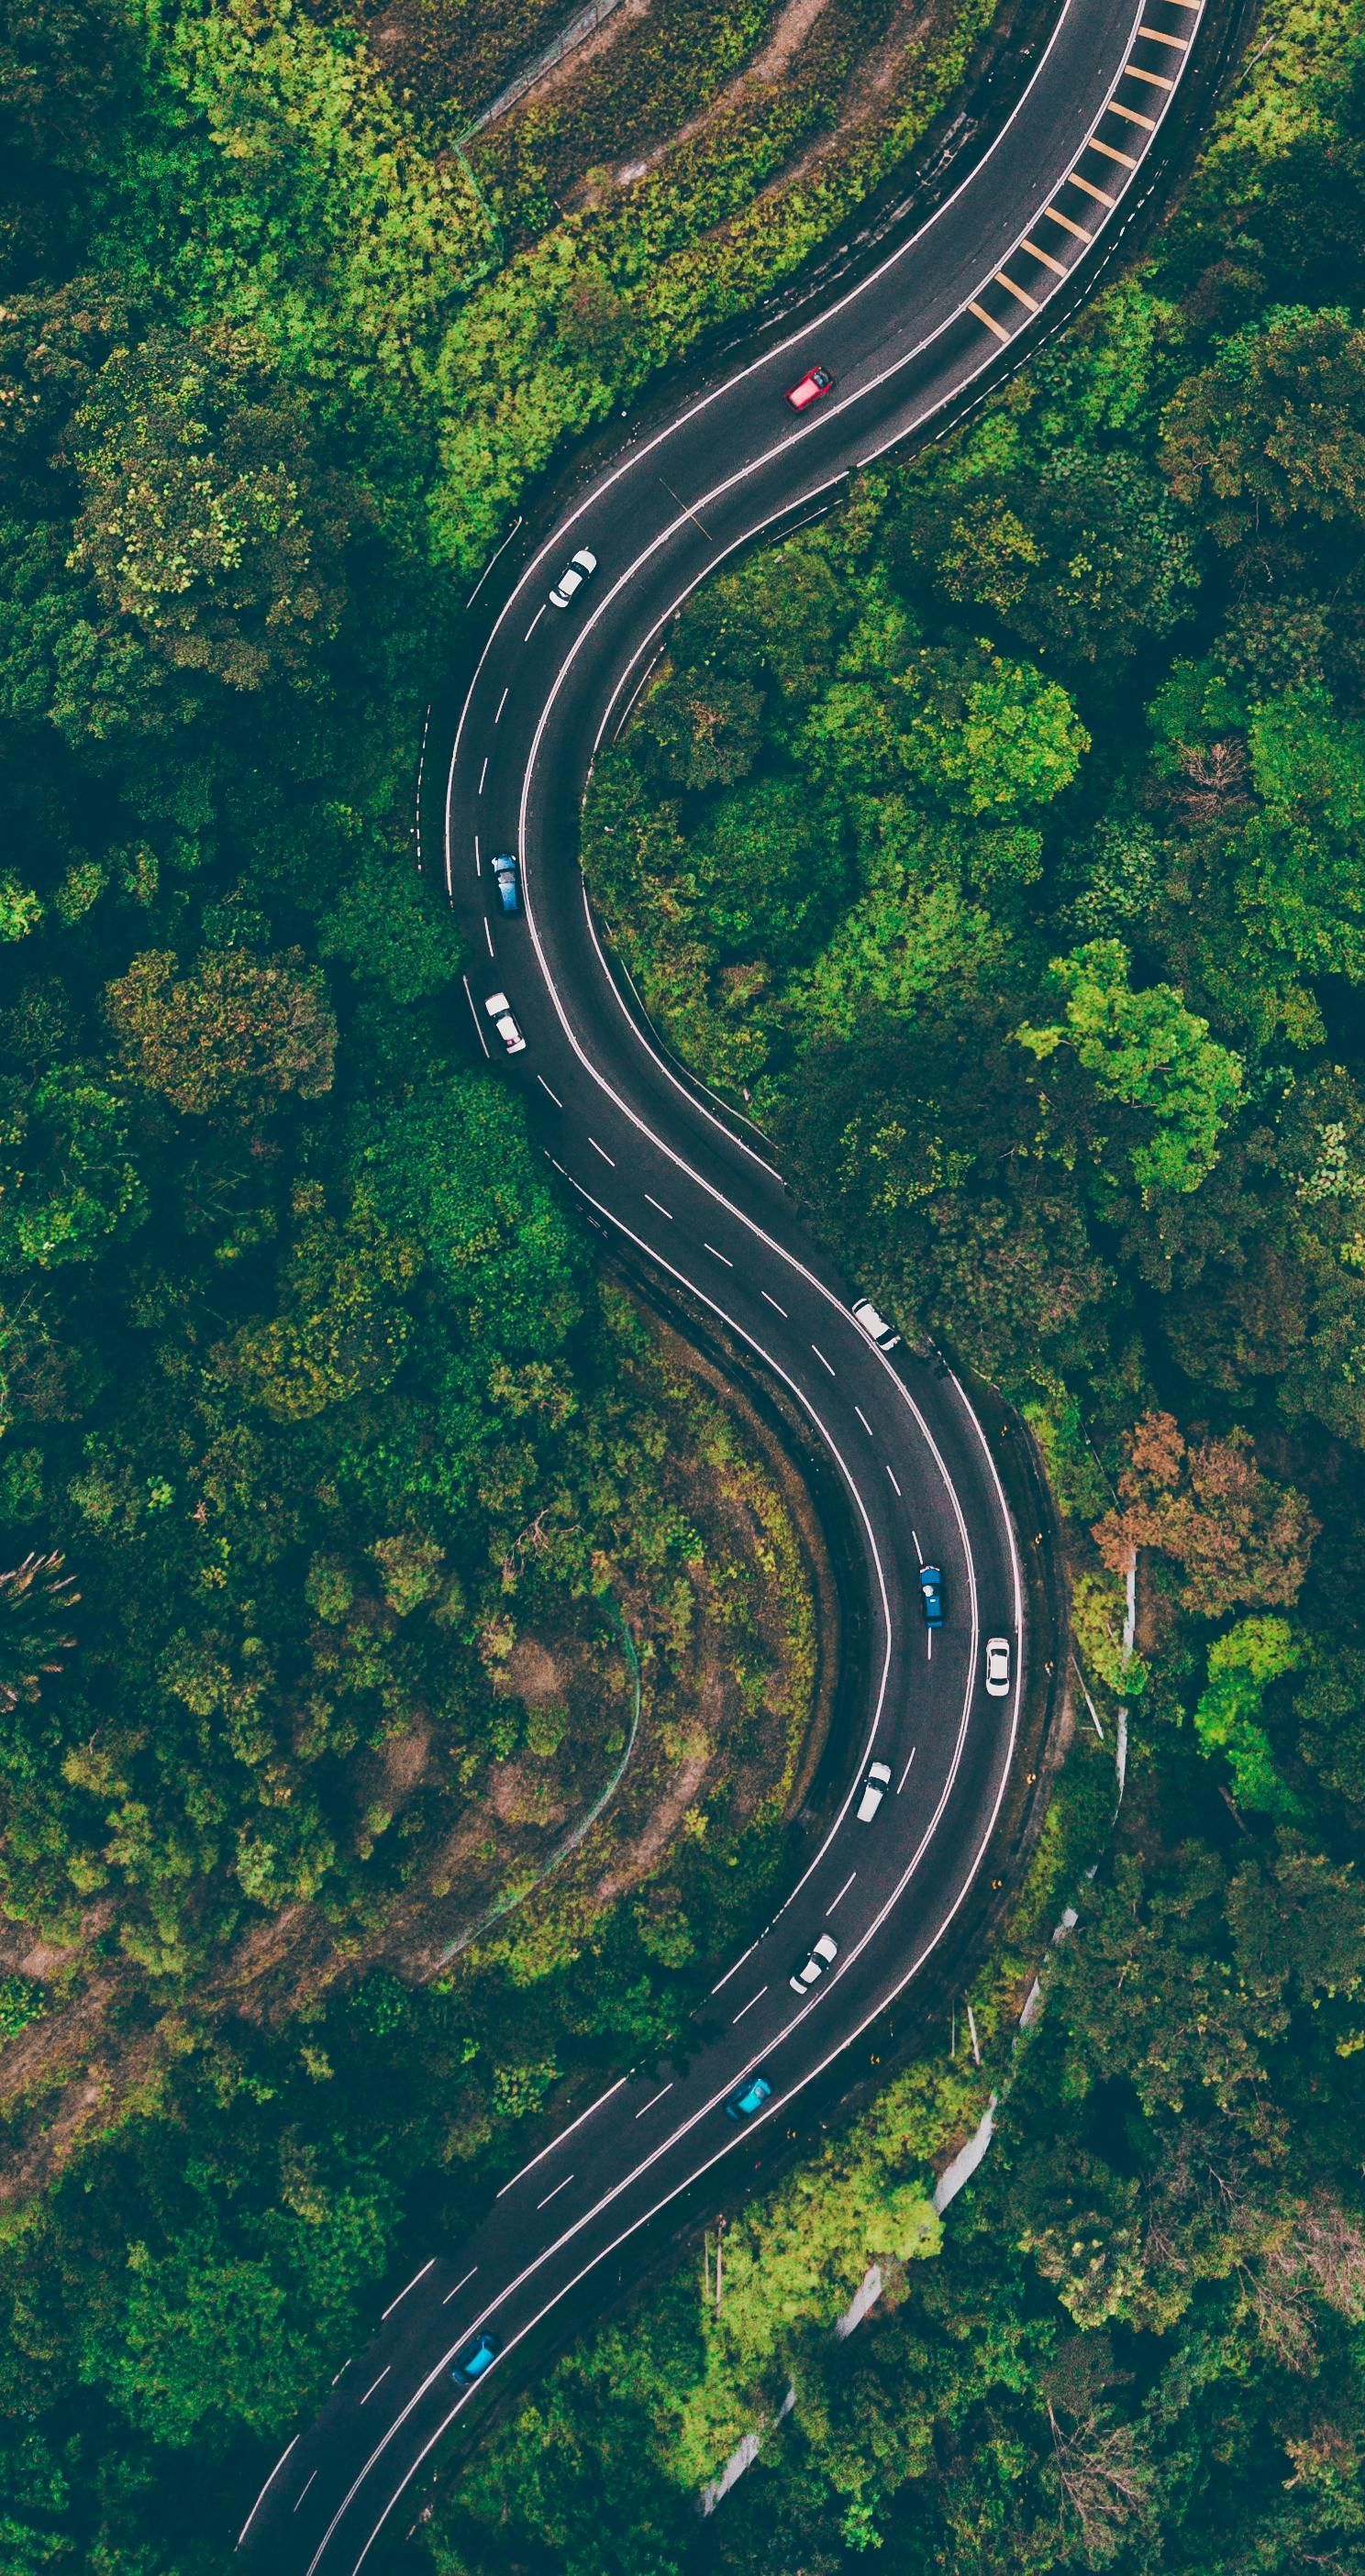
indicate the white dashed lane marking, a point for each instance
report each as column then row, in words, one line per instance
column 554, row 1095
column 753, row 1999
column 772, row 1301
column 658, row 1203
column 601, row 1149
column 824, row 1363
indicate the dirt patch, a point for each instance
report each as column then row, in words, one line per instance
column 642, row 1855
column 533, row 1673
column 785, row 42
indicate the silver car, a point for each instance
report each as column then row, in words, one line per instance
column 580, row 569
column 810, row 1973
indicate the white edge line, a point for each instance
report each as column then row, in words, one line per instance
column 279, row 2464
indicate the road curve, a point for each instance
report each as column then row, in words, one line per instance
column 657, row 1163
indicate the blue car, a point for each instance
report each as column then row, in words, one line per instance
column 750, row 2098
column 479, row 2357
column 506, row 879
column 931, row 1594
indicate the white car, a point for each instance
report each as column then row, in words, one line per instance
column 499, row 1010
column 572, row 578
column 997, row 1667
column 826, row 1948
column 875, row 1787
column 875, row 1326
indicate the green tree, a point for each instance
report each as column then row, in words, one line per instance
column 228, row 1038
column 1227, row 1716
column 1148, row 1051
column 68, row 1182
column 1274, row 427
column 205, row 522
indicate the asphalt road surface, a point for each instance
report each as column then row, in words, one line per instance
column 657, row 1162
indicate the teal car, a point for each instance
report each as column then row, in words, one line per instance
column 749, row 2099
column 478, row 2357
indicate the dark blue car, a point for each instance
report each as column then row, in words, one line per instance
column 506, row 878
column 931, row 1594
column 750, row 2098
column 478, row 2357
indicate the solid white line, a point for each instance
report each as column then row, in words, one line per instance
column 554, row 2195
column 460, row 2285
column 718, row 1256
column 534, row 622
column 601, row 1149
column 900, row 1784
column 376, row 2383
column 304, row 2488
column 488, row 935
column 464, row 979
column 656, row 2097
column 502, row 702
column 554, row 1095
column 848, row 1882
column 892, row 1474
column 772, row 1301
column 483, row 773
column 279, row 2464
column 862, row 1417
column 824, row 1363
column 658, row 1203
column 753, row 1999
column 693, row 1089
column 548, row 2150
column 516, row 523
column 417, row 2276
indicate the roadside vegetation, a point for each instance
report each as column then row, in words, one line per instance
column 1002, row 841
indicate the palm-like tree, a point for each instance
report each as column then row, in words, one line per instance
column 36, row 1599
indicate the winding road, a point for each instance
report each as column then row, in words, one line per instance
column 689, row 1192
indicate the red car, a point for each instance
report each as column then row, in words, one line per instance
column 811, row 389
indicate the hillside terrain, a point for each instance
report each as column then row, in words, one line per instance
column 999, row 843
